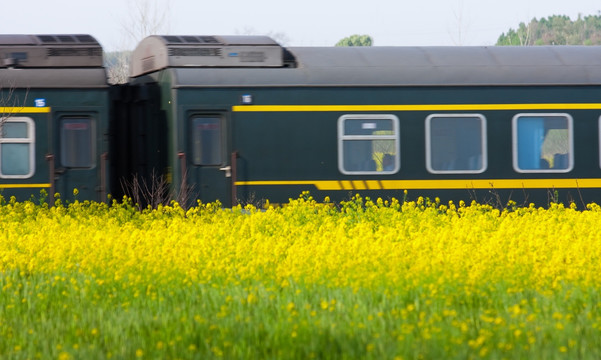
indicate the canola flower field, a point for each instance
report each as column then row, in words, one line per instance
column 361, row 279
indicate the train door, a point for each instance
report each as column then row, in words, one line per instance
column 77, row 164
column 209, row 173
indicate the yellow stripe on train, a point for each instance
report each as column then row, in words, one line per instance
column 23, row 186
column 23, row 110
column 416, row 107
column 434, row 184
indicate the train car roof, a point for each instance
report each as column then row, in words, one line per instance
column 380, row 66
column 56, row 61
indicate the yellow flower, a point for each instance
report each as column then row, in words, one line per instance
column 64, row 356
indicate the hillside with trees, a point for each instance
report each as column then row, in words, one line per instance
column 555, row 30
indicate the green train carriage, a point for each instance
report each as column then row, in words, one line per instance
column 54, row 108
column 246, row 120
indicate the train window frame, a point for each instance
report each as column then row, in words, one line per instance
column 514, row 143
column 220, row 137
column 343, row 138
column 63, row 143
column 29, row 140
column 483, row 145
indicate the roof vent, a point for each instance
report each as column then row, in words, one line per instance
column 66, row 39
column 190, row 39
column 205, row 51
column 195, row 51
column 172, row 39
column 50, row 51
column 47, row 39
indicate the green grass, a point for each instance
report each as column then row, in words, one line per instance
column 72, row 315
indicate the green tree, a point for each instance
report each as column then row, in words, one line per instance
column 356, row 40
column 555, row 30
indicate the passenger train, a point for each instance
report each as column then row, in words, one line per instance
column 241, row 119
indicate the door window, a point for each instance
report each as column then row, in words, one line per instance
column 77, row 142
column 206, row 140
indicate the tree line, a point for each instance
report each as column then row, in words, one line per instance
column 555, row 30
column 552, row 30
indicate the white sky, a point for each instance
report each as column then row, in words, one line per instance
column 303, row 22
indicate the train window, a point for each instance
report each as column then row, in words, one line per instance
column 77, row 142
column 206, row 140
column 368, row 144
column 542, row 143
column 17, row 140
column 456, row 143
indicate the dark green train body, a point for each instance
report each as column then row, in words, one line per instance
column 55, row 109
column 248, row 120
column 241, row 119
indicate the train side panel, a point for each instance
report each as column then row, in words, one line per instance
column 487, row 124
column 55, row 115
column 302, row 148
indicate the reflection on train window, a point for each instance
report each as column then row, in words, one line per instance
column 455, row 143
column 368, row 144
column 542, row 143
column 77, row 142
column 206, row 140
column 17, row 148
